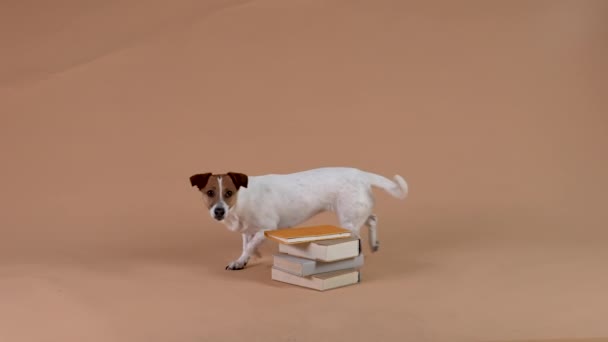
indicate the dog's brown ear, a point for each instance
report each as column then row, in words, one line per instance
column 239, row 179
column 200, row 180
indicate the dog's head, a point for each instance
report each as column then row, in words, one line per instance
column 219, row 191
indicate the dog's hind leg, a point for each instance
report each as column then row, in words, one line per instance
column 371, row 223
column 352, row 215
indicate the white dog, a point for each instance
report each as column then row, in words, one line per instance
column 251, row 205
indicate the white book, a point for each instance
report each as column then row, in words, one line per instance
column 325, row 250
column 319, row 282
column 305, row 267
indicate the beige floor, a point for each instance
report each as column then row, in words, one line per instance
column 495, row 113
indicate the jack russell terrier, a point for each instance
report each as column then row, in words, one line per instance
column 252, row 204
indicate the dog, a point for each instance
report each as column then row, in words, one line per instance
column 250, row 205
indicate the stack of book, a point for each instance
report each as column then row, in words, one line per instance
column 317, row 257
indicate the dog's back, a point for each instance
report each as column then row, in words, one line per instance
column 293, row 198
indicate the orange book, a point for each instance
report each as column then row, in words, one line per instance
column 307, row 234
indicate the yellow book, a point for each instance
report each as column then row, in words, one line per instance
column 307, row 234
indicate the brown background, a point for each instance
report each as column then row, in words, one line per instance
column 494, row 112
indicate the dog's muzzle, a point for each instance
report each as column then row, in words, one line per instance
column 219, row 213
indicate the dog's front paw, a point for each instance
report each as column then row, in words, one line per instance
column 236, row 265
column 376, row 247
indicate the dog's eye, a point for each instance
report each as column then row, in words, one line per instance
column 228, row 193
column 210, row 193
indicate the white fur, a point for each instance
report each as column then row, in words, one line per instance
column 221, row 202
column 282, row 201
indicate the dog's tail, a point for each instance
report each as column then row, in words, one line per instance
column 397, row 188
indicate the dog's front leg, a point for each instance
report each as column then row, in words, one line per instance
column 241, row 262
column 250, row 246
column 246, row 238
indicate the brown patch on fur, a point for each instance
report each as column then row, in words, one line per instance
column 200, row 180
column 229, row 189
column 210, row 191
column 238, row 179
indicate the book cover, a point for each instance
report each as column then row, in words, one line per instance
column 307, row 234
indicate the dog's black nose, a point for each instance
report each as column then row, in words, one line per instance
column 219, row 212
